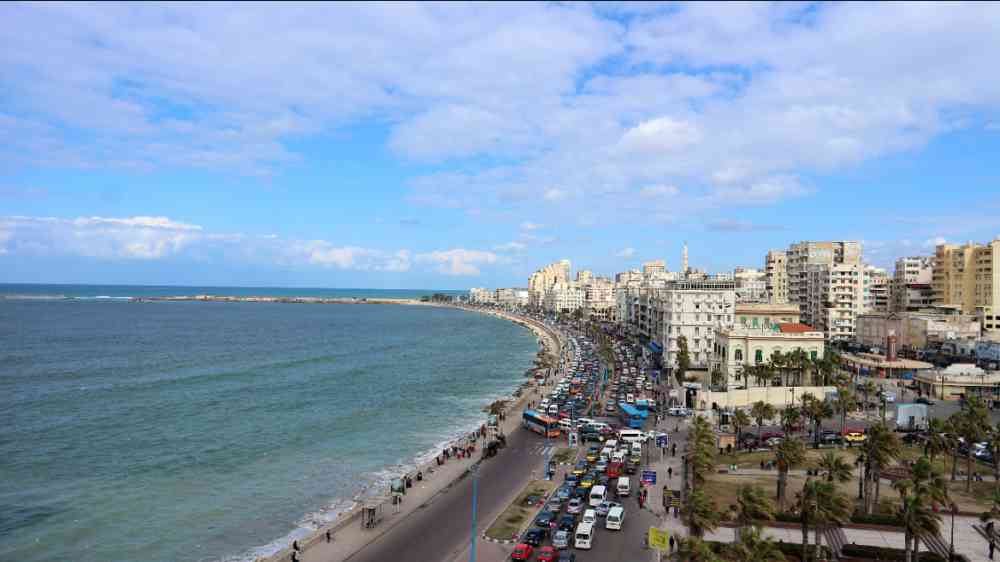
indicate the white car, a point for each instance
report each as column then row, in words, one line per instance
column 560, row 540
column 574, row 506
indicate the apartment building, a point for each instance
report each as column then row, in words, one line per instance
column 776, row 273
column 911, row 284
column 801, row 257
column 967, row 278
column 751, row 285
column 479, row 295
column 695, row 310
column 546, row 277
column 650, row 268
column 877, row 289
column 599, row 300
column 512, row 297
column 564, row 298
column 834, row 295
column 917, row 330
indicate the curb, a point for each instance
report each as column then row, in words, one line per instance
column 498, row 541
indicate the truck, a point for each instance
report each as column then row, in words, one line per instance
column 911, row 417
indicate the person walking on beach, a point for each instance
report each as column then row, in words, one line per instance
column 295, row 546
column 329, row 536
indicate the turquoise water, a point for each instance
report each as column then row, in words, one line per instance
column 173, row 431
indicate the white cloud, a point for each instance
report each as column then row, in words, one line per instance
column 654, row 191
column 763, row 192
column 529, row 226
column 661, row 135
column 457, row 261
column 934, row 242
column 142, row 238
column 554, row 194
column 511, row 247
column 626, row 253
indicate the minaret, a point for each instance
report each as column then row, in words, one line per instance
column 684, row 259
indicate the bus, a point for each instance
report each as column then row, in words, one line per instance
column 540, row 423
column 631, row 416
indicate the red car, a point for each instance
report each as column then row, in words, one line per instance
column 547, row 554
column 522, row 552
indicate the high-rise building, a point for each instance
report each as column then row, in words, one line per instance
column 911, row 284
column 967, row 278
column 834, row 295
column 651, row 268
column 584, row 276
column 775, row 267
column 543, row 279
column 877, row 289
column 693, row 309
column 803, row 255
column 751, row 285
column 479, row 295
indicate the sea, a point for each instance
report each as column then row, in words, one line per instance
column 211, row 431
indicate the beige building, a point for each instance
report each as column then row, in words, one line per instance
column 765, row 315
column 916, row 330
column 877, row 289
column 545, row 278
column 747, row 344
column 599, row 299
column 751, row 285
column 911, row 284
column 650, row 268
column 834, row 298
column 776, row 276
column 804, row 256
column 967, row 277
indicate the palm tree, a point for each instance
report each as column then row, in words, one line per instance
column 994, row 447
column 740, row 421
column 936, row 442
column 695, row 548
column 919, row 521
column 751, row 505
column 800, row 362
column 753, row 546
column 845, row 403
column 761, row 411
column 790, row 418
column 701, row 513
column 973, row 429
column 881, row 448
column 816, row 411
column 835, row 468
column 777, row 362
column 788, row 454
column 868, row 389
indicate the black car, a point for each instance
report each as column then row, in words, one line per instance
column 830, row 437
column 545, row 518
column 567, row 523
column 566, row 556
column 535, row 536
column 912, row 439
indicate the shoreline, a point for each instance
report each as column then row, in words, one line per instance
column 282, row 300
column 437, row 479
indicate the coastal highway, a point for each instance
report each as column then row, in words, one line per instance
column 439, row 530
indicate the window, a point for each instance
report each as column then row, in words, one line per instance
column 758, row 356
column 756, row 323
column 812, row 355
column 739, row 355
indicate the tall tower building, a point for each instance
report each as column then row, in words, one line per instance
column 684, row 259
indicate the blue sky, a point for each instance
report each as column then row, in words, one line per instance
column 448, row 145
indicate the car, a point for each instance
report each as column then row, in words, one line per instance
column 924, row 400
column 592, row 452
column 567, row 522
column 855, row 437
column 564, row 492
column 572, row 479
column 561, row 539
column 547, row 554
column 912, row 439
column 567, row 557
column 602, row 510
column 601, row 465
column 769, row 434
column 774, row 441
column 581, row 468
column 575, row 505
column 587, row 481
column 535, row 536
column 545, row 519
column 830, row 437
column 522, row 551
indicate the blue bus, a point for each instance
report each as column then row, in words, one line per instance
column 631, row 416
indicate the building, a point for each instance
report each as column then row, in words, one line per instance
column 512, row 297
column 751, row 285
column 651, row 268
column 479, row 295
column 599, row 300
column 911, row 284
column 693, row 309
column 915, row 331
column 776, row 273
column 765, row 315
column 564, row 298
column 877, row 289
column 584, row 276
column 834, row 298
column 753, row 343
column 960, row 381
column 967, row 278
column 803, row 257
column 543, row 279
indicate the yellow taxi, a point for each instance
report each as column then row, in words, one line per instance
column 855, row 437
column 587, row 481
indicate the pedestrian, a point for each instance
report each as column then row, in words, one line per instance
column 329, row 536
column 992, row 548
column 671, row 543
column 673, row 450
column 295, row 557
column 762, row 464
column 295, row 546
column 670, row 472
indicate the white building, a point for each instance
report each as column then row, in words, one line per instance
column 541, row 280
column 748, row 345
column 599, row 300
column 835, row 298
column 877, row 289
column 751, row 285
column 512, row 297
column 695, row 310
column 804, row 256
column 912, row 287
column 479, row 295
column 564, row 298
column 650, row 268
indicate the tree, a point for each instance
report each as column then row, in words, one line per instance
column 881, row 448
column 845, row 404
column 695, row 548
column 701, row 513
column 820, row 505
column 751, row 505
column 716, row 376
column 816, row 411
column 919, row 521
column 973, row 425
column 835, row 468
column 753, row 546
column 761, row 411
column 790, row 418
column 700, row 450
column 788, row 454
column 936, row 442
column 994, row 447
column 740, row 421
column 867, row 389
column 683, row 358
column 777, row 363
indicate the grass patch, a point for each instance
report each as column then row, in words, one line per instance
column 513, row 519
column 564, row 455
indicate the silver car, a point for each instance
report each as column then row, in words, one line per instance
column 560, row 540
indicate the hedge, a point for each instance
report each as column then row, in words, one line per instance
column 859, row 518
column 889, row 554
column 792, row 551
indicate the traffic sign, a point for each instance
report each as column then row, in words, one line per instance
column 649, row 476
column 658, row 539
column 661, row 440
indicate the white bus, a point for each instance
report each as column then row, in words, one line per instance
column 584, row 536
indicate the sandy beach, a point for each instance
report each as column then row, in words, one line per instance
column 347, row 536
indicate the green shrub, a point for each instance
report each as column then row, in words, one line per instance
column 881, row 553
column 876, row 519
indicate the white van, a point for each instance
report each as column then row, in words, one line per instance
column 629, row 399
column 631, row 435
column 616, row 516
column 566, row 425
column 584, row 536
column 612, row 443
column 624, row 486
column 636, row 447
column 618, row 456
column 589, row 516
column 597, row 495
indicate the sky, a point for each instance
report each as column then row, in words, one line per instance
column 450, row 145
